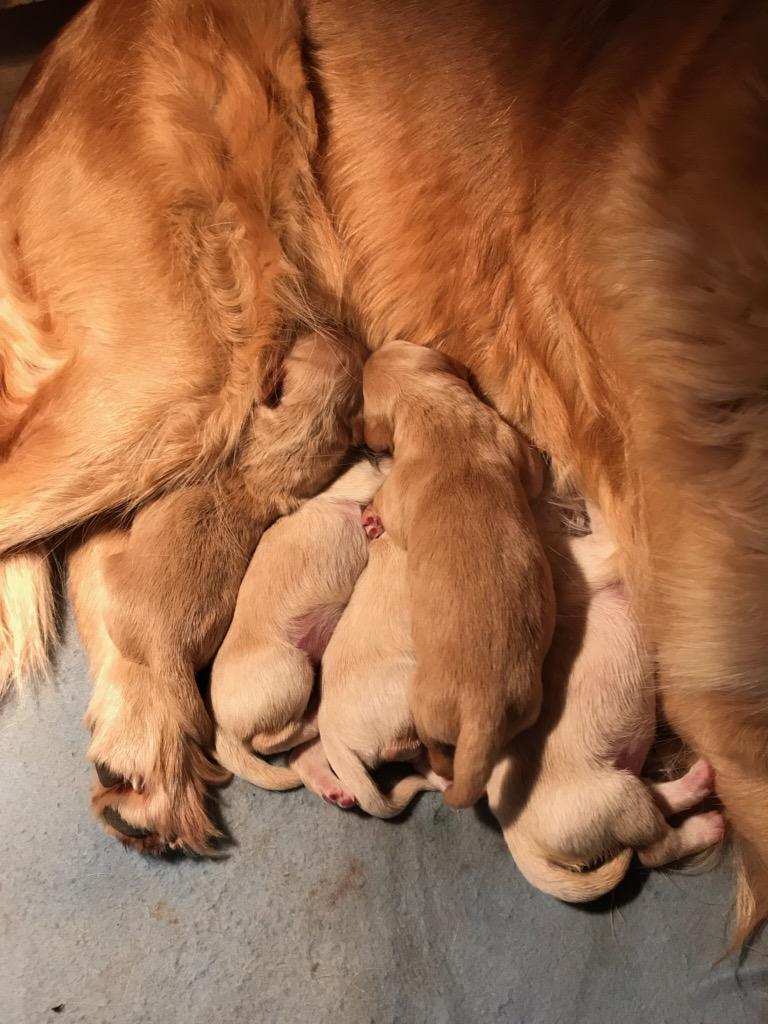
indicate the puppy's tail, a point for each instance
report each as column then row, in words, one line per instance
column 578, row 884
column 354, row 776
column 476, row 754
column 27, row 619
column 232, row 755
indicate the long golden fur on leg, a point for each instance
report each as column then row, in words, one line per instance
column 27, row 617
column 166, row 593
column 148, row 733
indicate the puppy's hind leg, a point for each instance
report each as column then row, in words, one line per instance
column 311, row 764
column 695, row 834
column 684, row 793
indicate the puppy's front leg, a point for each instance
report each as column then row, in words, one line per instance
column 148, row 732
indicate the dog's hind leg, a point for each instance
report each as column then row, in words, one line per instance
column 149, row 731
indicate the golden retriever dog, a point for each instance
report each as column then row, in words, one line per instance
column 568, row 196
column 298, row 582
column 153, row 602
column 367, row 671
column 480, row 586
column 568, row 796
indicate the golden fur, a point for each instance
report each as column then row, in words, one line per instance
column 368, row 668
column 300, row 578
column 568, row 795
column 480, row 587
column 567, row 195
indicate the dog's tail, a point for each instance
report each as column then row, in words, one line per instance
column 232, row 755
column 354, row 776
column 476, row 754
column 579, row 883
column 27, row 618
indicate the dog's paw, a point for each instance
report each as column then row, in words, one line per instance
column 705, row 830
column 338, row 796
column 372, row 523
column 312, row 766
column 687, row 792
column 152, row 777
column 699, row 782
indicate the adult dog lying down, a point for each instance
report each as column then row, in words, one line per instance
column 569, row 196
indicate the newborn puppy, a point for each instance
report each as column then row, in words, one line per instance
column 367, row 670
column 569, row 797
column 297, row 584
column 480, row 584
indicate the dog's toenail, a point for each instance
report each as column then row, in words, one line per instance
column 107, row 777
column 119, row 824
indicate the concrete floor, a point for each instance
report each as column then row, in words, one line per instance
column 317, row 915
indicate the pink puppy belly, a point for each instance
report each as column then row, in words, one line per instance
column 311, row 631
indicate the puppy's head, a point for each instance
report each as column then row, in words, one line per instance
column 396, row 372
column 324, row 367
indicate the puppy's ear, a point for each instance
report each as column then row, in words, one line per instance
column 358, row 429
column 378, row 433
column 455, row 367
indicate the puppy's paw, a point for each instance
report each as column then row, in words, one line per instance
column 697, row 833
column 686, row 792
column 705, row 830
column 372, row 523
column 337, row 795
column 311, row 764
column 152, row 776
column 699, row 782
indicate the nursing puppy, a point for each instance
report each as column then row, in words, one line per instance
column 568, row 796
column 480, row 584
column 296, row 587
column 367, row 671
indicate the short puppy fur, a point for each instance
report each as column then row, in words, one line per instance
column 480, row 583
column 367, row 671
column 569, row 797
column 298, row 582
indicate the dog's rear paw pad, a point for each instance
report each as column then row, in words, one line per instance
column 372, row 525
column 340, row 798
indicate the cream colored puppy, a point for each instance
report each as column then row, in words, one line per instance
column 367, row 670
column 297, row 584
column 569, row 797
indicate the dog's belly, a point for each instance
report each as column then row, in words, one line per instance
column 487, row 199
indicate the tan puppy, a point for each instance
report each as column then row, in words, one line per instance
column 367, row 673
column 569, row 797
column 296, row 587
column 480, row 584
